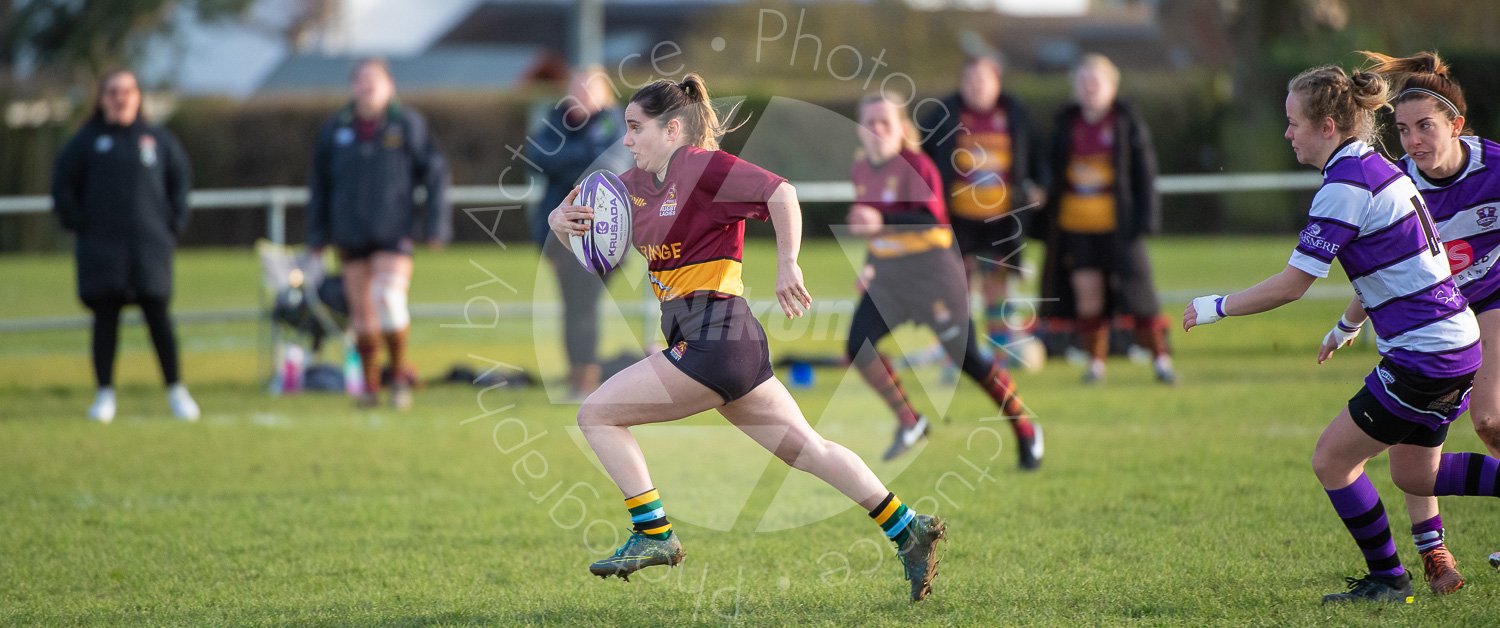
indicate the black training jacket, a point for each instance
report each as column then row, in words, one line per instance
column 123, row 190
column 360, row 193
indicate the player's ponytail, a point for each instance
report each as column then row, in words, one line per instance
column 1369, row 91
column 688, row 102
column 1421, row 76
column 1425, row 62
column 692, row 86
column 1350, row 101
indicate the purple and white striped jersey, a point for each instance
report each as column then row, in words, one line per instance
column 1370, row 216
column 1466, row 210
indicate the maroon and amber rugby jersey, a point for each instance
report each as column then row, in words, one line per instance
column 1088, row 203
column 908, row 192
column 690, row 227
column 982, row 160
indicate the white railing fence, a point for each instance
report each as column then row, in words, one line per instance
column 277, row 199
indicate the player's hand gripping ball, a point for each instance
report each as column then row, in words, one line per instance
column 602, row 247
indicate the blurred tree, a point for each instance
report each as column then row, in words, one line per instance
column 309, row 25
column 1275, row 38
column 77, row 41
column 7, row 16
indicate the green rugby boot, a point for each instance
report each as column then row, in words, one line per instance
column 639, row 552
column 919, row 554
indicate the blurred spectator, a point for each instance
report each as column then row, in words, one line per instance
column 121, row 185
column 989, row 156
column 1100, row 207
column 579, row 134
column 368, row 160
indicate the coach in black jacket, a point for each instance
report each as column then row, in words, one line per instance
column 369, row 158
column 1094, row 274
column 360, row 190
column 121, row 185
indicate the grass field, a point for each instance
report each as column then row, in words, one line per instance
column 1192, row 505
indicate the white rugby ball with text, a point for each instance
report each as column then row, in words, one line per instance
column 608, row 238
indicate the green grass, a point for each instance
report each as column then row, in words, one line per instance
column 1192, row 505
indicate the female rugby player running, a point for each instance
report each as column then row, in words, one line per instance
column 915, row 274
column 691, row 201
column 1370, row 217
column 1454, row 172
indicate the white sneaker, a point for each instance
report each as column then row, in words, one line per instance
column 103, row 410
column 1095, row 372
column 183, row 406
column 906, row 438
column 1164, row 371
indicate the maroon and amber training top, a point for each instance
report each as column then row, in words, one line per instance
column 907, row 191
column 691, row 226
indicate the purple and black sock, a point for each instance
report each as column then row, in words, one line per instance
column 1359, row 506
column 1428, row 535
column 1467, row 474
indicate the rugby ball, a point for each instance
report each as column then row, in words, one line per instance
column 608, row 238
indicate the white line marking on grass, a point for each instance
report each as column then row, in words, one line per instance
column 270, row 419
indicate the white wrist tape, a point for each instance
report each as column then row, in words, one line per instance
column 1342, row 333
column 1209, row 309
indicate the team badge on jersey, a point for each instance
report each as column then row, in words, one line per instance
column 393, row 137
column 1486, row 216
column 1384, row 375
column 148, row 150
column 103, row 143
column 889, row 195
column 344, row 136
column 669, row 206
column 678, row 350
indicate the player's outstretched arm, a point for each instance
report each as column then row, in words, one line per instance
column 1273, row 292
column 786, row 217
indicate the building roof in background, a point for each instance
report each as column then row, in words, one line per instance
column 442, row 68
column 639, row 23
column 1171, row 37
column 489, row 44
column 1156, row 35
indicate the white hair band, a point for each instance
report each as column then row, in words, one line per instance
column 1431, row 93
